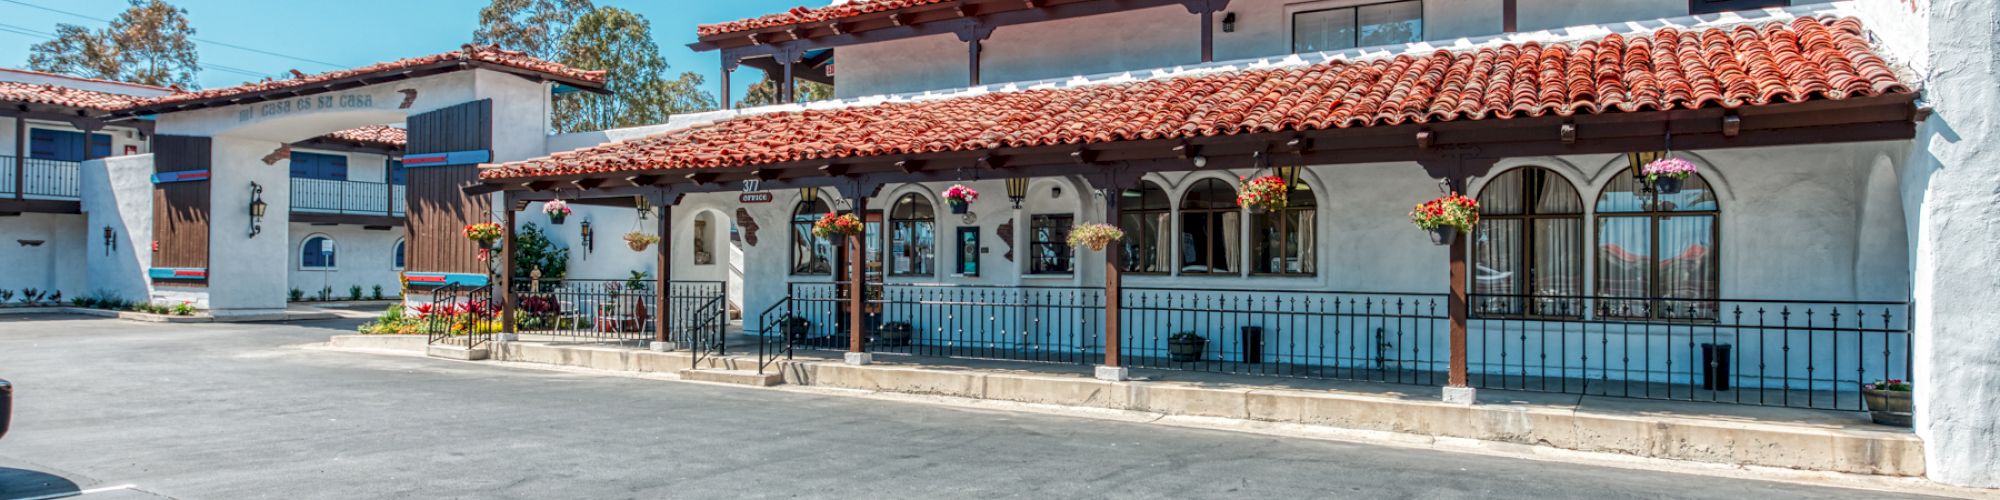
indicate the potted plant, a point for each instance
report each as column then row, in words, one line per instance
column 897, row 333
column 837, row 227
column 557, row 210
column 1666, row 174
column 1263, row 194
column 1889, row 402
column 1445, row 217
column 484, row 234
column 796, row 328
column 1186, row 347
column 959, row 197
column 1095, row 236
column 640, row 241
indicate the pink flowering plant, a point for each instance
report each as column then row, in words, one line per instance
column 1671, row 167
column 958, row 194
column 1267, row 193
column 1893, row 385
column 556, row 208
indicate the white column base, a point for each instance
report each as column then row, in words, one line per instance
column 860, row 358
column 658, row 346
column 1461, row 395
column 1113, row 373
column 507, row 337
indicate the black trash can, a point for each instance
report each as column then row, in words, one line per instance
column 1253, row 344
column 6, row 406
column 1715, row 367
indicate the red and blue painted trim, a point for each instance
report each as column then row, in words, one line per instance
column 178, row 273
column 421, row 160
column 181, row 176
column 445, row 279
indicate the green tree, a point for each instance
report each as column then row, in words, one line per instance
column 621, row 43
column 684, row 95
column 533, row 26
column 150, row 43
column 765, row 93
column 533, row 250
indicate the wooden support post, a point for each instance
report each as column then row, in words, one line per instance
column 1510, row 15
column 1454, row 169
column 663, row 261
column 506, row 268
column 1208, row 35
column 857, row 281
column 973, row 60
column 20, row 157
column 727, row 68
column 1112, row 288
column 785, row 93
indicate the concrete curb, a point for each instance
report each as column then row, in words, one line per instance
column 102, row 313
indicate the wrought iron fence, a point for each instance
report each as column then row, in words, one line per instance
column 616, row 310
column 1379, row 337
column 41, row 179
column 1805, row 354
column 707, row 333
column 1027, row 323
column 460, row 316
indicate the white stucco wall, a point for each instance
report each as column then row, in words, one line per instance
column 55, row 263
column 118, row 193
column 362, row 257
column 1947, row 184
column 246, row 274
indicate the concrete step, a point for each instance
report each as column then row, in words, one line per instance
column 457, row 353
column 738, row 377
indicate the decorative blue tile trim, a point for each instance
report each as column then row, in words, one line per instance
column 181, row 176
column 446, row 159
column 178, row 273
column 445, row 279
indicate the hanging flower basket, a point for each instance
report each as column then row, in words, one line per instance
column 1666, row 174
column 1094, row 236
column 640, row 241
column 557, row 210
column 1263, row 194
column 1446, row 217
column 959, row 198
column 837, row 227
column 483, row 233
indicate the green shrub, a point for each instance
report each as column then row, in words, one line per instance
column 184, row 309
column 298, row 295
column 354, row 292
column 376, row 294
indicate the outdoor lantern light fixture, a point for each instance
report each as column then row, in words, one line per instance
column 1229, row 22
column 588, row 239
column 110, row 240
column 808, row 195
column 1017, row 190
column 257, row 207
column 1290, row 174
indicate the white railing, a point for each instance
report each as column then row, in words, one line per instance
column 346, row 197
column 43, row 179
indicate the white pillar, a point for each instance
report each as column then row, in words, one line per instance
column 247, row 276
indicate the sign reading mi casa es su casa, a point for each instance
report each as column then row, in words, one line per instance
column 309, row 103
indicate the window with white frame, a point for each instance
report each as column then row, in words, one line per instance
column 399, row 255
column 1367, row 25
column 1148, row 224
column 1284, row 242
column 810, row 254
column 318, row 253
column 912, row 242
column 1211, row 228
column 1658, row 250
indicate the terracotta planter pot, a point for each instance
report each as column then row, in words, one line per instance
column 1444, row 235
column 1889, row 407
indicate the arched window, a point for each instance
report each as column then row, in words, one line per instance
column 399, row 255
column 1146, row 218
column 1528, row 247
column 810, row 255
column 912, row 240
column 1285, row 241
column 1211, row 228
column 317, row 253
column 1658, row 249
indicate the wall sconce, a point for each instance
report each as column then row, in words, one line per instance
column 1290, row 174
column 1229, row 22
column 1056, row 192
column 110, row 240
column 808, row 195
column 1017, row 190
column 589, row 240
column 257, row 207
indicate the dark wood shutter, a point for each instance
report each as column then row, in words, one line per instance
column 438, row 208
column 181, row 209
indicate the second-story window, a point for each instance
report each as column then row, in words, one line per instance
column 1387, row 23
column 319, row 166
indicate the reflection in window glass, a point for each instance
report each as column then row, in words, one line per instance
column 1653, row 246
column 1211, row 228
column 1527, row 249
column 1145, row 220
column 1389, row 23
column 810, row 255
column 1284, row 243
column 911, row 240
column 1048, row 244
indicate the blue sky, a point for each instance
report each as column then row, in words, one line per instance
column 359, row 32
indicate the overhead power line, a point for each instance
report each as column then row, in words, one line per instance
column 200, row 40
column 46, row 36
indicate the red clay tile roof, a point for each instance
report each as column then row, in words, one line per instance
column 1729, row 67
column 32, row 93
column 801, row 15
column 490, row 54
column 383, row 135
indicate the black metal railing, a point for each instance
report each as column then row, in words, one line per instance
column 706, row 334
column 1044, row 324
column 460, row 316
column 1805, row 354
column 1378, row 337
column 615, row 310
column 40, row 178
column 774, row 332
column 346, row 197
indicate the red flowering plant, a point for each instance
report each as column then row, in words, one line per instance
column 958, row 194
column 485, row 233
column 1263, row 194
column 836, row 224
column 1452, row 210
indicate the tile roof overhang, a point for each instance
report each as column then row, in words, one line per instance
column 372, row 139
column 863, row 21
column 1810, row 80
column 65, row 98
column 490, row 57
